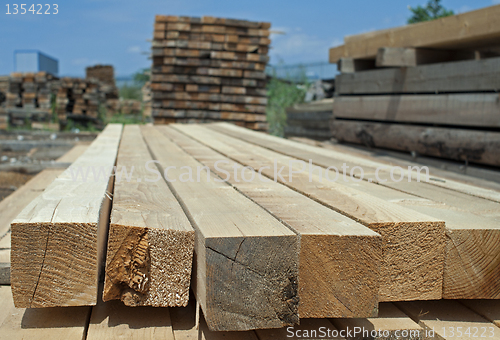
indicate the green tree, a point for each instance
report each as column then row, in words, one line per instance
column 433, row 10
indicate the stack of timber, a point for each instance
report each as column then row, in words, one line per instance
column 311, row 120
column 209, row 69
column 4, row 88
column 78, row 99
column 430, row 88
column 105, row 74
column 29, row 97
column 267, row 243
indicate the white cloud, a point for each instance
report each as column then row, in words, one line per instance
column 296, row 46
column 134, row 49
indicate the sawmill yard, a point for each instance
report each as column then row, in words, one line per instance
column 224, row 202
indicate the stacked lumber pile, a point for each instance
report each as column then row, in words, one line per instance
column 259, row 262
column 429, row 88
column 209, row 69
column 310, row 120
column 105, row 74
column 4, row 88
column 29, row 97
column 78, row 99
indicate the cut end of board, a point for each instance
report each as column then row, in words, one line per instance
column 413, row 260
column 468, row 275
column 148, row 267
column 52, row 264
column 267, row 285
column 348, row 290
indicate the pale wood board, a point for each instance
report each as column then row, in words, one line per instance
column 40, row 323
column 445, row 318
column 468, row 110
column 58, row 240
column 339, row 259
column 113, row 320
column 235, row 250
column 413, row 243
column 458, row 76
column 468, row 30
column 301, row 151
column 151, row 241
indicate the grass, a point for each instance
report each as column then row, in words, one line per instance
column 282, row 94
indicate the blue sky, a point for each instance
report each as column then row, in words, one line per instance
column 87, row 32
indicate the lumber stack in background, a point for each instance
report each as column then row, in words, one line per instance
column 423, row 88
column 209, row 69
column 29, row 97
column 311, row 120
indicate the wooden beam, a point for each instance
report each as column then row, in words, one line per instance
column 331, row 283
column 13, row 204
column 488, row 309
column 349, row 65
column 462, row 145
column 463, row 31
column 470, row 212
column 459, row 76
column 246, row 263
column 58, row 240
column 39, row 324
column 470, row 110
column 410, row 57
column 410, row 269
column 150, row 246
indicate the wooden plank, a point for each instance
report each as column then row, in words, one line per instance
column 410, row 57
column 488, row 309
column 457, row 144
column 113, row 320
column 478, row 110
column 472, row 246
column 463, row 31
column 37, row 323
column 235, row 248
column 410, row 269
column 58, row 239
column 391, row 323
column 459, row 76
column 449, row 320
column 151, row 242
column 330, row 285
column 349, row 65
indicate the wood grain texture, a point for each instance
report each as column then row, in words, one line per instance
column 463, row 31
column 457, row 144
column 413, row 243
column 339, row 259
column 488, row 309
column 113, row 320
column 58, row 240
column 469, row 110
column 471, row 213
column 459, row 76
column 241, row 279
column 40, row 323
column 151, row 242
